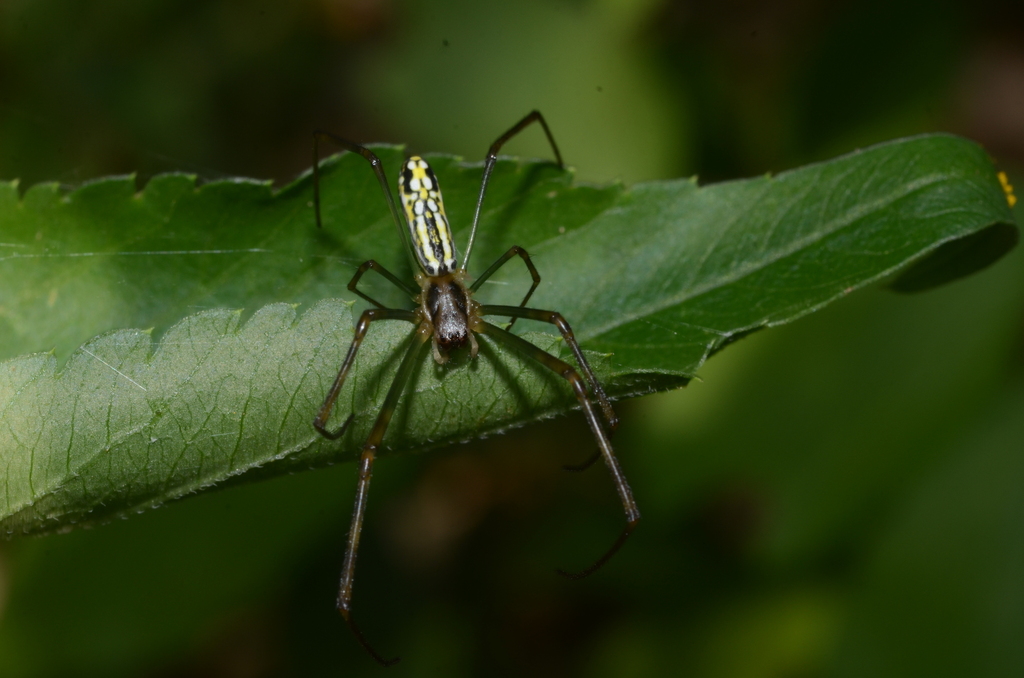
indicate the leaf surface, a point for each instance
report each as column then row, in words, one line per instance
column 654, row 279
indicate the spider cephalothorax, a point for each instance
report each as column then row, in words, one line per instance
column 447, row 304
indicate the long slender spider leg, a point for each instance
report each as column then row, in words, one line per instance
column 375, row 163
column 348, row 570
column 513, row 251
column 371, row 265
column 492, row 159
column 368, row 316
column 595, row 386
column 558, row 321
column 566, row 371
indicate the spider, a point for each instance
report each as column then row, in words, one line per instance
column 448, row 316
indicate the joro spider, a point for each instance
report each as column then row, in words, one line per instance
column 447, row 314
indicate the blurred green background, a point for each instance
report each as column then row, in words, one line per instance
column 839, row 497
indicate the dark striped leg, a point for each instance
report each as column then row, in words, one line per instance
column 513, row 251
column 492, row 159
column 375, row 164
column 348, row 570
column 566, row 371
column 558, row 321
column 368, row 316
column 371, row 265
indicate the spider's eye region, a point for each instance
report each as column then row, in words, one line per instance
column 424, row 210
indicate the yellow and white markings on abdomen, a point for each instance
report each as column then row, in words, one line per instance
column 424, row 210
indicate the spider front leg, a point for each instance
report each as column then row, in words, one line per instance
column 492, row 160
column 567, row 372
column 370, row 156
column 513, row 251
column 378, row 170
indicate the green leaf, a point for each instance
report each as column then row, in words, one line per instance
column 958, row 258
column 653, row 279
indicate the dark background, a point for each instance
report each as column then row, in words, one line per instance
column 839, row 497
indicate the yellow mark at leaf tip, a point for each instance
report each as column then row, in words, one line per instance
column 52, row 299
column 1011, row 199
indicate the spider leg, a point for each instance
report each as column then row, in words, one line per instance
column 368, row 316
column 595, row 386
column 375, row 163
column 558, row 321
column 513, row 251
column 492, row 159
column 371, row 265
column 566, row 371
column 348, row 570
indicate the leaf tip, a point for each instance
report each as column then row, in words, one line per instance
column 172, row 183
column 41, row 194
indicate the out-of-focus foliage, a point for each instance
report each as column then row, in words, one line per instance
column 832, row 498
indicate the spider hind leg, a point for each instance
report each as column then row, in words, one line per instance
column 569, row 373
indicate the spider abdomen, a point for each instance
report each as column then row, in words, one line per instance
column 428, row 224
